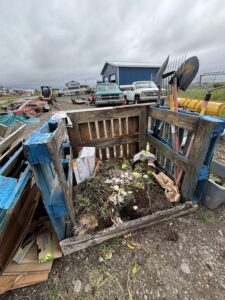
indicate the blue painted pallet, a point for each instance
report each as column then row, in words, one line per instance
column 11, row 188
column 204, row 172
column 44, row 150
column 212, row 138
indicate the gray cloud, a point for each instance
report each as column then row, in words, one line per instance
column 54, row 41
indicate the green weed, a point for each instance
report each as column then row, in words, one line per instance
column 202, row 216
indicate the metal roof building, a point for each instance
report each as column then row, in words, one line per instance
column 72, row 83
column 127, row 72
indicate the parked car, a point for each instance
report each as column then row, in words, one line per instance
column 69, row 91
column 141, row 91
column 108, row 93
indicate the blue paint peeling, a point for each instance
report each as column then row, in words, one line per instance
column 13, row 191
column 36, row 144
column 38, row 155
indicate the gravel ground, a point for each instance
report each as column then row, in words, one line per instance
column 181, row 259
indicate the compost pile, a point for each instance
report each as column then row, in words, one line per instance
column 118, row 193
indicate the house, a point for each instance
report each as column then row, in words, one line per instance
column 124, row 73
column 72, row 84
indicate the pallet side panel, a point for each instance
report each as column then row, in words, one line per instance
column 115, row 132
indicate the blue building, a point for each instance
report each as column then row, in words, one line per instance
column 124, row 73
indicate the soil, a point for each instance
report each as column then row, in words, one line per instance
column 181, row 259
column 146, row 202
column 96, row 198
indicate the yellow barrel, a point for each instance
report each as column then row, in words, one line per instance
column 193, row 105
column 213, row 108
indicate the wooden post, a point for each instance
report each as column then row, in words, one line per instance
column 196, row 159
column 143, row 126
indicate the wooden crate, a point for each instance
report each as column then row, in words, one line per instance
column 123, row 131
column 115, row 132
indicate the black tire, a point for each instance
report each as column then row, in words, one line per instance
column 125, row 100
column 62, row 95
column 136, row 99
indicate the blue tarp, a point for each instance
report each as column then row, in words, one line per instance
column 10, row 119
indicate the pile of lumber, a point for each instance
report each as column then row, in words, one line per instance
column 27, row 242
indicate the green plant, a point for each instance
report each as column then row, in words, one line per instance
column 114, row 241
column 54, row 293
column 202, row 216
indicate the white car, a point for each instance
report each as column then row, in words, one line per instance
column 68, row 91
column 141, row 91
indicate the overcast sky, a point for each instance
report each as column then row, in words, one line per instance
column 52, row 41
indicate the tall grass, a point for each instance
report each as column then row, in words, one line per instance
column 197, row 92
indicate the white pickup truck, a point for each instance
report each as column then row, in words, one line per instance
column 141, row 91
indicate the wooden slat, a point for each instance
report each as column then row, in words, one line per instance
column 178, row 159
column 143, row 126
column 112, row 142
column 196, row 159
column 109, row 135
column 182, row 120
column 74, row 135
column 3, row 130
column 52, row 146
column 117, row 134
column 93, row 130
column 124, row 131
column 6, row 143
column 133, row 126
column 106, row 113
column 74, row 244
column 84, row 132
column 93, row 133
column 102, row 135
column 59, row 135
column 18, row 223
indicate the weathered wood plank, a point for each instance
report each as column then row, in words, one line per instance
column 61, row 177
column 124, row 131
column 107, row 113
column 102, row 135
column 59, row 135
column 74, row 135
column 93, row 130
column 3, row 130
column 74, row 244
column 133, row 126
column 11, row 138
column 84, row 132
column 143, row 126
column 109, row 134
column 197, row 156
column 168, row 152
column 112, row 142
column 117, row 134
column 182, row 120
column 18, row 223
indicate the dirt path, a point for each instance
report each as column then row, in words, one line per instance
column 181, row 259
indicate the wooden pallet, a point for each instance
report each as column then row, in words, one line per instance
column 123, row 131
column 44, row 150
